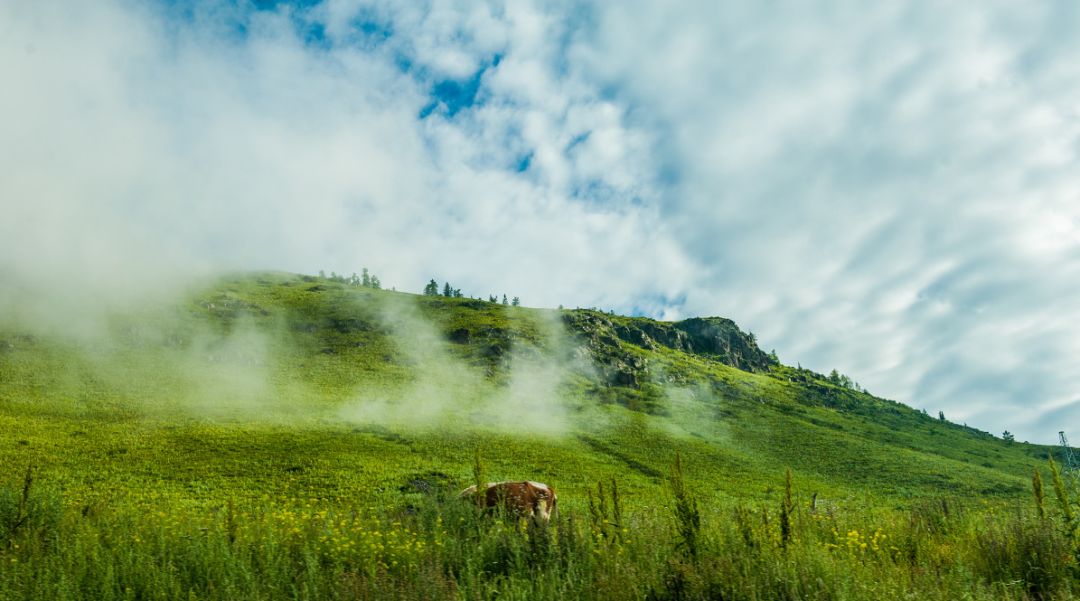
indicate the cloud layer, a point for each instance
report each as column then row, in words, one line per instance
column 889, row 191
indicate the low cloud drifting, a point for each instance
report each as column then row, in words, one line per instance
column 448, row 392
column 890, row 191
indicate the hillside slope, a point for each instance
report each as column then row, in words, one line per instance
column 279, row 384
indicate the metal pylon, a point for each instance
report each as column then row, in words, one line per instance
column 1068, row 459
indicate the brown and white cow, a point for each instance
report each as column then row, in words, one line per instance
column 530, row 499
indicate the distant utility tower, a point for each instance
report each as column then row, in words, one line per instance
column 1068, row 459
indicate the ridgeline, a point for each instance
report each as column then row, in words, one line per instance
column 275, row 436
column 332, row 378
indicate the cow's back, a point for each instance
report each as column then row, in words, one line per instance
column 524, row 498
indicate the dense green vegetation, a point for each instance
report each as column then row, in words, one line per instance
column 278, row 436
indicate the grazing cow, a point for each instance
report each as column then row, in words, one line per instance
column 532, row 499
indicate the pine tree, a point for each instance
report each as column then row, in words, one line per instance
column 504, row 301
column 365, row 280
column 516, row 302
column 447, row 291
column 432, row 289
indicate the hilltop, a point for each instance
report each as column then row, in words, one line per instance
column 279, row 436
column 325, row 388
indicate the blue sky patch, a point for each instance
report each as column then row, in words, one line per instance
column 453, row 96
column 577, row 141
column 654, row 306
column 524, row 162
column 371, row 30
column 275, row 4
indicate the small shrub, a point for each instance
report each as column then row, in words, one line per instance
column 606, row 520
column 687, row 516
column 1040, row 497
column 1028, row 552
column 787, row 507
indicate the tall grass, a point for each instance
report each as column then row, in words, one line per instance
column 687, row 515
column 443, row 549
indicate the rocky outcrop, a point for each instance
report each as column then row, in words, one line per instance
column 716, row 338
column 721, row 339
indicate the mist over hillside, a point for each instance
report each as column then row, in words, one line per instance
column 283, row 348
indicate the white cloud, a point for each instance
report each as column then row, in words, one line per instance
column 891, row 191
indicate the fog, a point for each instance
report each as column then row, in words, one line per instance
column 448, row 392
column 211, row 355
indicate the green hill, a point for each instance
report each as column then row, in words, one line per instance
column 275, row 436
column 335, row 389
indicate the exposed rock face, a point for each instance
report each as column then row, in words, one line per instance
column 722, row 340
column 717, row 338
column 600, row 343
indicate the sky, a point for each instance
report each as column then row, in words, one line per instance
column 888, row 189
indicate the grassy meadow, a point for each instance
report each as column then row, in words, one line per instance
column 274, row 436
